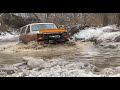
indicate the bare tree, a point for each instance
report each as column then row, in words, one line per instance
column 84, row 15
column 105, row 19
column 118, row 19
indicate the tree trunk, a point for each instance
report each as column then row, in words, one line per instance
column 105, row 20
column 118, row 19
column 84, row 18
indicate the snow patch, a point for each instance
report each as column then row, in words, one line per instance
column 88, row 34
column 5, row 36
column 108, row 36
column 56, row 68
column 99, row 33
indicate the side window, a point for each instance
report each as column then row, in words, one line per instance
column 23, row 30
column 28, row 30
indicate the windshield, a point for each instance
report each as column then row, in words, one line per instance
column 38, row 27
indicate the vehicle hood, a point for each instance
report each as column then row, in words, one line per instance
column 52, row 30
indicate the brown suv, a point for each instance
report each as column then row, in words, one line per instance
column 43, row 32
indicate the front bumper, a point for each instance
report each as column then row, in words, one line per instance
column 53, row 36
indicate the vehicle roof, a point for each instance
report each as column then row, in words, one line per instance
column 36, row 23
column 40, row 23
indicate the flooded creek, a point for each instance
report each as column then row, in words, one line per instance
column 83, row 52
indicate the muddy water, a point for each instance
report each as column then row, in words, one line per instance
column 107, row 58
column 8, row 58
column 101, row 57
column 98, row 56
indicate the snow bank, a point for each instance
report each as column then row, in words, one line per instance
column 108, row 28
column 102, row 33
column 108, row 36
column 58, row 68
column 88, row 34
column 54, row 68
column 5, row 36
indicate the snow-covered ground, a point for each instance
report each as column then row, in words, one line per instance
column 57, row 68
column 52, row 68
column 5, row 36
column 100, row 34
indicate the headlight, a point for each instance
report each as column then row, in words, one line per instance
column 39, row 36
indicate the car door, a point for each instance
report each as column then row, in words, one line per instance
column 22, row 34
column 30, row 36
column 27, row 35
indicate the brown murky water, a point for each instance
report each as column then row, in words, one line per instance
column 101, row 57
column 6, row 58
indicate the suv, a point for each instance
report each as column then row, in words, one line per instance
column 42, row 32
